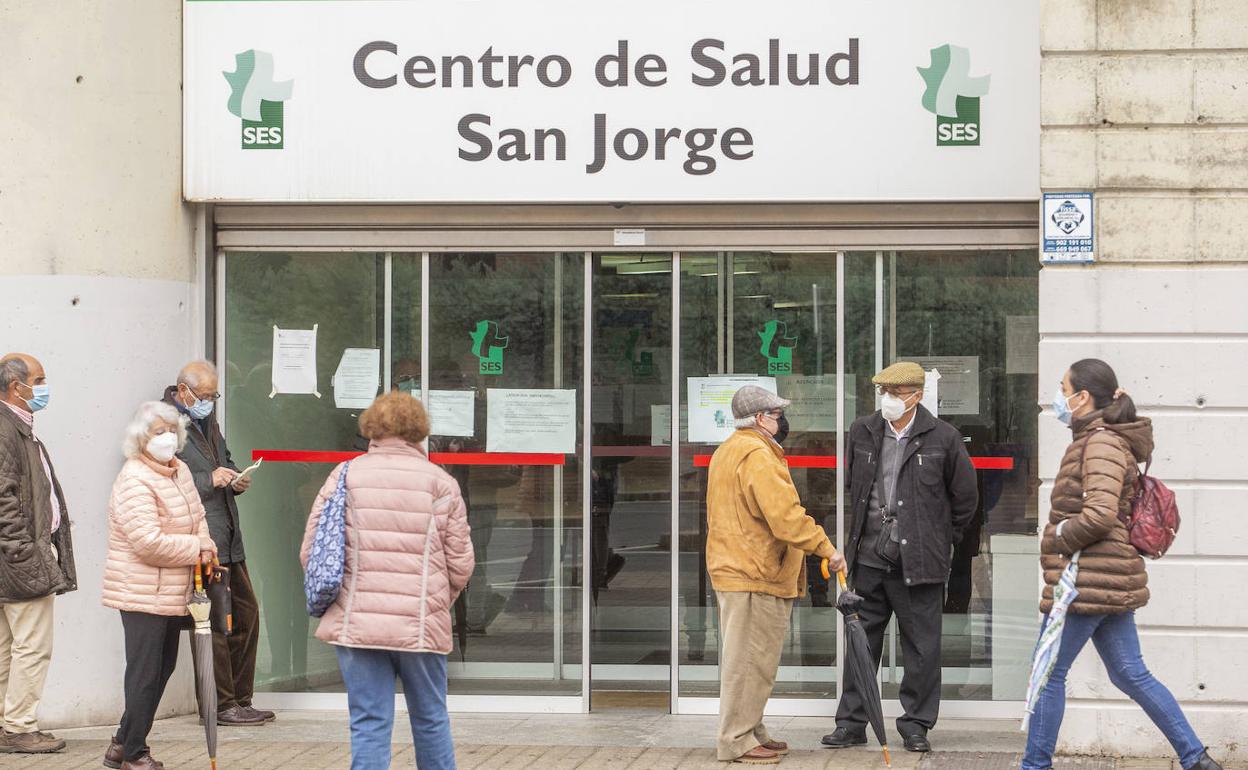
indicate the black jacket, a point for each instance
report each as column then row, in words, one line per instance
column 205, row 451
column 936, row 492
column 28, row 568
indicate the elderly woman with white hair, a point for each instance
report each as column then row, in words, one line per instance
column 157, row 537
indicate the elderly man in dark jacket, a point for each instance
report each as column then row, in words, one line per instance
column 36, row 556
column 912, row 492
column 218, row 481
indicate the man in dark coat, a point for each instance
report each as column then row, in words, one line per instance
column 218, row 481
column 911, row 494
column 36, row 556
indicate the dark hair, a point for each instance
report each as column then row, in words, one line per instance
column 1098, row 379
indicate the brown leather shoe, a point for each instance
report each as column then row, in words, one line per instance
column 759, row 755
column 238, row 716
column 780, row 747
column 31, row 743
column 267, row 716
column 115, row 754
column 145, row 762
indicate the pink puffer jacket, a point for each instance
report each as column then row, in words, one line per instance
column 156, row 531
column 408, row 552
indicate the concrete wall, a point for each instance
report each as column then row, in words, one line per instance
column 1145, row 102
column 97, row 272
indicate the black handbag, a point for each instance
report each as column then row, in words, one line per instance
column 888, row 544
column 218, row 590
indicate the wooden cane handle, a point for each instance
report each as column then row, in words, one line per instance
column 827, row 574
column 199, row 581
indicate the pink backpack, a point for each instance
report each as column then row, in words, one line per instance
column 1154, row 519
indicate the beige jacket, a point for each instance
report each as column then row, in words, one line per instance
column 758, row 533
column 156, row 530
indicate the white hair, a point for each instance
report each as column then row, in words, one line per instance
column 192, row 374
column 746, row 422
column 140, row 426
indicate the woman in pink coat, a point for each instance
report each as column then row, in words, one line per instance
column 157, row 536
column 408, row 555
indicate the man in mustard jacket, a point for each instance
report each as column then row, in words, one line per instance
column 758, row 536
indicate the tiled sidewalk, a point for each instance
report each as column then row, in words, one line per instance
column 615, row 740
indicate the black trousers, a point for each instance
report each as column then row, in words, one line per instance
column 151, row 654
column 918, row 611
column 234, row 656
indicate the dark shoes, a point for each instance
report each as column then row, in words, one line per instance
column 1206, row 763
column 115, row 754
column 30, row 743
column 916, row 742
column 844, row 737
column 240, row 716
column 267, row 716
column 144, row 762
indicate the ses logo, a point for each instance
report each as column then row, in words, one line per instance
column 488, row 347
column 953, row 96
column 257, row 98
column 777, row 347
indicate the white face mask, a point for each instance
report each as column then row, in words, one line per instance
column 893, row 408
column 163, row 447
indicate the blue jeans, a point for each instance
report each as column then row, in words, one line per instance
column 1119, row 647
column 369, row 676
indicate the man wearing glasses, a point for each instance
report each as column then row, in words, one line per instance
column 758, row 536
column 911, row 493
column 218, row 481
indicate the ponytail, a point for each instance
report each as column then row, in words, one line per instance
column 1098, row 379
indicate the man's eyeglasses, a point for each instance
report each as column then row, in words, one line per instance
column 885, row 390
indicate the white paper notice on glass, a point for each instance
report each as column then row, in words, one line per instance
column 931, row 392
column 1022, row 344
column 959, row 382
column 814, row 402
column 710, row 404
column 294, row 361
column 357, row 378
column 530, row 421
column 452, row 412
column 661, row 424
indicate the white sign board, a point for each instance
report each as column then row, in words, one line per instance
column 567, row 101
column 710, row 405
column 294, row 361
column 530, row 421
column 814, row 402
column 452, row 412
column 1069, row 228
column 357, row 378
column 959, row 382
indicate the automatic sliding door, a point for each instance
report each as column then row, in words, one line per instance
column 631, row 489
column 505, row 390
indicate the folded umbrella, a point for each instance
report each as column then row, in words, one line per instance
column 200, row 608
column 859, row 664
column 1050, row 642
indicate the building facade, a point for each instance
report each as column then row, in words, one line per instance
column 557, row 297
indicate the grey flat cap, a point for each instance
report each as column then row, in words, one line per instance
column 751, row 399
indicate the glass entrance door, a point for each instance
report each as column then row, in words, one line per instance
column 589, row 531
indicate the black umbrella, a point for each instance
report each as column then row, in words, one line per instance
column 859, row 665
column 461, row 622
column 200, row 608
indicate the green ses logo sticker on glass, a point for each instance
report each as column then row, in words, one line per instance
column 257, row 99
column 488, row 347
column 777, row 347
column 952, row 95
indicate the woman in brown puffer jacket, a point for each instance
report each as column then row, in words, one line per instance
column 1091, row 498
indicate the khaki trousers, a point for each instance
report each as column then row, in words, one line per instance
column 752, row 627
column 25, row 652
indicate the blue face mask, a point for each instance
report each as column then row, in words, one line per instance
column 1061, row 406
column 39, row 397
column 200, row 409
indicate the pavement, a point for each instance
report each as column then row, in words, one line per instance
column 617, row 739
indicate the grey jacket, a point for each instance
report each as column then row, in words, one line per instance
column 29, row 569
column 205, row 451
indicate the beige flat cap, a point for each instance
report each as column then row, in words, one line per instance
column 901, row 373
